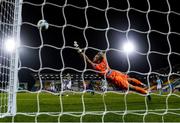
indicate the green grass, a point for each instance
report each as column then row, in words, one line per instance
column 93, row 106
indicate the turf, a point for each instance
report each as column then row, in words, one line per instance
column 46, row 107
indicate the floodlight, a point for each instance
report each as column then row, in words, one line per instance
column 10, row 45
column 128, row 47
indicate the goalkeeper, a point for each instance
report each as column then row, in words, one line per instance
column 123, row 81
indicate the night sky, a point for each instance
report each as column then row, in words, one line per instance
column 103, row 29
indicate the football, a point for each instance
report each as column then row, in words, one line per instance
column 43, row 24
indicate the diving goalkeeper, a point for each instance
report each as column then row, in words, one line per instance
column 123, row 81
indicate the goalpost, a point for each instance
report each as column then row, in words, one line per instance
column 85, row 30
column 10, row 20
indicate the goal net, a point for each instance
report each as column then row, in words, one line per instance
column 9, row 33
column 46, row 79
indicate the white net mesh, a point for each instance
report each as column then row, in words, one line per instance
column 47, row 56
column 6, row 34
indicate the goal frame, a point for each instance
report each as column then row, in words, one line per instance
column 14, row 58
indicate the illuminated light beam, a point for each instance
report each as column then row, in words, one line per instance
column 128, row 47
column 10, row 45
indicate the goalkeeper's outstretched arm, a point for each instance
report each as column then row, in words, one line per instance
column 96, row 60
column 87, row 59
column 76, row 45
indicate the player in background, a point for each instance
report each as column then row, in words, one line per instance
column 123, row 81
column 90, row 87
column 159, row 85
column 63, row 84
column 52, row 86
column 104, row 85
column 66, row 84
column 69, row 82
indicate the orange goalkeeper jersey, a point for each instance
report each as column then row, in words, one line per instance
column 114, row 76
column 102, row 67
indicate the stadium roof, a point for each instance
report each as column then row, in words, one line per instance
column 49, row 76
column 93, row 76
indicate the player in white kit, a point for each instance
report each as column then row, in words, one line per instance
column 159, row 85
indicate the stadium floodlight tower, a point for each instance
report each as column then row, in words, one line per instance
column 10, row 21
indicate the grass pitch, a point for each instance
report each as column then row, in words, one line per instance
column 112, row 107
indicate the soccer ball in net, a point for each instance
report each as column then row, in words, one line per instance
column 43, row 24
